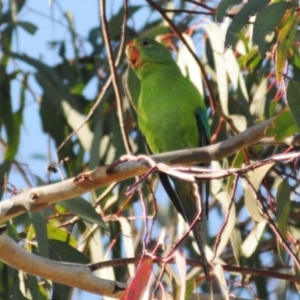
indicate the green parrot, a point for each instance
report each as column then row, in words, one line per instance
column 172, row 116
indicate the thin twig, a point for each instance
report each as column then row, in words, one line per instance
column 113, row 71
column 203, row 5
column 196, row 263
column 190, row 12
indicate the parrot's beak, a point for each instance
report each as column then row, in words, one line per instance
column 133, row 54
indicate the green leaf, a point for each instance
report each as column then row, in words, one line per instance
column 32, row 287
column 190, row 286
column 224, row 198
column 14, row 279
column 237, row 162
column 220, row 275
column 61, row 251
column 223, row 7
column 256, row 176
column 286, row 38
column 293, row 92
column 242, row 17
column 266, row 22
column 60, row 291
column 4, row 172
column 283, row 126
column 236, row 242
column 56, row 129
column 250, row 60
column 10, row 121
column 250, row 244
column 84, row 210
column 54, row 232
column 29, row 27
column 282, row 201
column 38, row 221
column 4, row 282
column 116, row 21
column 283, row 208
column 50, row 73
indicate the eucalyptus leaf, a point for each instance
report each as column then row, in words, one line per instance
column 85, row 210
column 241, row 19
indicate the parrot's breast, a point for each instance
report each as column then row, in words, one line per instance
column 167, row 114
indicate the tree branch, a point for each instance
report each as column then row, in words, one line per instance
column 74, row 275
column 35, row 199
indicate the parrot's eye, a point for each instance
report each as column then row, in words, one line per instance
column 145, row 43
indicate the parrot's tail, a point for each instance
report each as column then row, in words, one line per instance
column 199, row 235
column 193, row 211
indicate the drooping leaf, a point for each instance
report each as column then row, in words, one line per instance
column 256, row 176
column 283, row 208
column 38, row 221
column 116, row 21
column 128, row 241
column 4, row 173
column 60, row 291
column 32, row 286
column 29, row 27
column 219, row 271
column 62, row 251
column 259, row 99
column 296, row 271
column 190, row 286
column 188, row 65
column 283, row 126
column 85, row 210
column 292, row 93
column 224, row 198
column 59, row 234
column 249, row 246
column 266, row 23
column 223, row 8
column 236, row 242
column 180, row 263
column 242, row 17
column 10, row 121
column 286, row 38
column 216, row 38
column 250, row 60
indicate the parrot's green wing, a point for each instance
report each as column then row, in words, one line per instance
column 203, row 129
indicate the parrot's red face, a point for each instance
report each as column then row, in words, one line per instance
column 133, row 54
